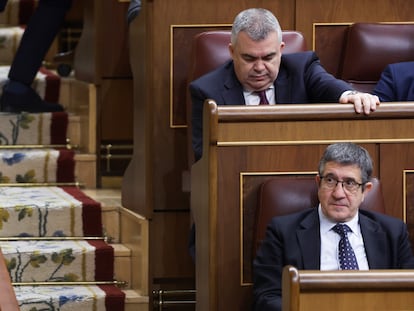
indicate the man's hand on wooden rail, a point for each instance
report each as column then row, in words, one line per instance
column 363, row 102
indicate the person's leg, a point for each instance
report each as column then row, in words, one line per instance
column 39, row 34
column 3, row 4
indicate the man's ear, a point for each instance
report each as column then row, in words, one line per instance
column 318, row 179
column 282, row 46
column 367, row 188
column 231, row 50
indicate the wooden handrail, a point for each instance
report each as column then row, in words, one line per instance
column 311, row 112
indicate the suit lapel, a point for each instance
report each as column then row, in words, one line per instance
column 282, row 87
column 375, row 243
column 309, row 241
column 233, row 90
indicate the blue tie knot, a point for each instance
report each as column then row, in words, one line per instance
column 342, row 229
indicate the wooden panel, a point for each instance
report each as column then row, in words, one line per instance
column 116, row 110
column 347, row 290
column 102, row 50
column 408, row 196
column 395, row 158
column 244, row 146
column 329, row 43
column 172, row 255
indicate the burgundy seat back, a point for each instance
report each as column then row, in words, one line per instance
column 289, row 194
column 211, row 49
column 372, row 46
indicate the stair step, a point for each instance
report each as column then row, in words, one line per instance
column 58, row 261
column 78, row 297
column 37, row 166
column 134, row 301
column 27, row 211
column 122, row 264
column 85, row 170
column 33, row 128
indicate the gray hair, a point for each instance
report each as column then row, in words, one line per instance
column 348, row 154
column 257, row 23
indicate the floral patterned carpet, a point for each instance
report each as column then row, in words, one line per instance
column 50, row 234
column 71, row 250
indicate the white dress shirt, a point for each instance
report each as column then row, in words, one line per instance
column 252, row 99
column 330, row 240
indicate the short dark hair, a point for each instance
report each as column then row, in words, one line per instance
column 348, row 154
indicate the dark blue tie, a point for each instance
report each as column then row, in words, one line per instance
column 347, row 259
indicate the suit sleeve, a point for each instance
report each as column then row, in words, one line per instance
column 385, row 87
column 405, row 257
column 267, row 272
column 197, row 101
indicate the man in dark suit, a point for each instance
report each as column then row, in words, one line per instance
column 396, row 83
column 308, row 240
column 258, row 65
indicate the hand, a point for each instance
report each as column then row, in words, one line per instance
column 363, row 102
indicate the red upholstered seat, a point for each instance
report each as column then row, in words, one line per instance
column 289, row 194
column 372, row 46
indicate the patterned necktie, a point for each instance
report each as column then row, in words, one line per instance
column 347, row 259
column 263, row 98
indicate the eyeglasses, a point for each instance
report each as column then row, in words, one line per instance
column 349, row 185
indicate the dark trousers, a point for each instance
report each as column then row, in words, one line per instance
column 40, row 32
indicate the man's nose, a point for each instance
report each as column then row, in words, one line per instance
column 259, row 65
column 339, row 188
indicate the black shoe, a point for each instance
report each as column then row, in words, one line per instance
column 17, row 97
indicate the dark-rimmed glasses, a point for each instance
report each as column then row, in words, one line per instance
column 349, row 184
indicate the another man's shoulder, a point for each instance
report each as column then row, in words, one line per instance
column 405, row 68
column 305, row 56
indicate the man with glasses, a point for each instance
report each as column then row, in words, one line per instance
column 336, row 235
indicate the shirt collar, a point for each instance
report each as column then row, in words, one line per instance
column 327, row 224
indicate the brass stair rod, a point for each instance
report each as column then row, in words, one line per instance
column 47, row 184
column 61, row 146
column 161, row 295
column 117, row 283
column 51, row 238
column 186, row 292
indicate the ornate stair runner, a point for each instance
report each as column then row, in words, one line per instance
column 51, row 233
column 51, row 236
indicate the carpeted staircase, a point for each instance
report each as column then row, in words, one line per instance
column 51, row 233
column 67, row 245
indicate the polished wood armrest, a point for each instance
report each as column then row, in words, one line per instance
column 347, row 289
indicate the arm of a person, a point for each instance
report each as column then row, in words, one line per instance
column 405, row 253
column 267, row 272
column 385, row 88
column 133, row 10
column 197, row 101
column 324, row 86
